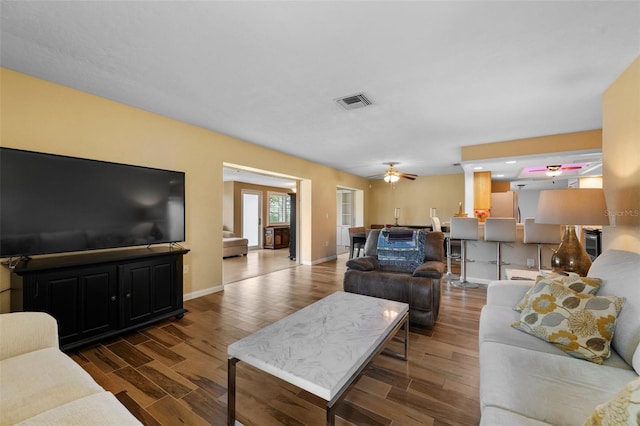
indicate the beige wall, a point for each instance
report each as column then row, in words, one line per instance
column 228, row 207
column 621, row 159
column 41, row 116
column 415, row 198
column 565, row 142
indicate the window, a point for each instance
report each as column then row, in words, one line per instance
column 279, row 208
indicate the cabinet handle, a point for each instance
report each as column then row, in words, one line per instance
column 113, row 298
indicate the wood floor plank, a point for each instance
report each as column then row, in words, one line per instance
column 160, row 335
column 141, row 414
column 210, row 409
column 157, row 351
column 169, row 411
column 176, row 370
column 129, row 353
column 171, row 382
column 140, row 388
column 103, row 358
column 386, row 408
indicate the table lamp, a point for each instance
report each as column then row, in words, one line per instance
column 571, row 207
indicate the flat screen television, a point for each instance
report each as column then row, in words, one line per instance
column 55, row 204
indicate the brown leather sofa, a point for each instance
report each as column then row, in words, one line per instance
column 420, row 289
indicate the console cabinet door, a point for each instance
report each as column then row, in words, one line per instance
column 148, row 289
column 83, row 300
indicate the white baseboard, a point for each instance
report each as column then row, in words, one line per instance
column 204, row 292
column 315, row 262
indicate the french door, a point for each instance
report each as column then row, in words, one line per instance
column 252, row 217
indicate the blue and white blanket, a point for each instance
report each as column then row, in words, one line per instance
column 401, row 249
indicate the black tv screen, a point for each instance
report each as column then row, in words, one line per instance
column 54, row 204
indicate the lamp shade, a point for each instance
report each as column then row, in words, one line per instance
column 582, row 206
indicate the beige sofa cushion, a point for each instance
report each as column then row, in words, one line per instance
column 623, row 409
column 620, row 271
column 495, row 327
column 98, row 409
column 493, row 416
column 559, row 390
column 234, row 242
column 23, row 332
column 39, row 381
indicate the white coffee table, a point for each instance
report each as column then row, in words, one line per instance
column 323, row 347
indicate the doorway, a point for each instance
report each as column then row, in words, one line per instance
column 252, row 218
column 350, row 208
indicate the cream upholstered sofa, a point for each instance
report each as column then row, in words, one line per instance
column 525, row 380
column 39, row 384
column 234, row 246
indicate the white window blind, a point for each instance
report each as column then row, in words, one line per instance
column 279, row 208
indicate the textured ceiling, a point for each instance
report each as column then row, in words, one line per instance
column 441, row 75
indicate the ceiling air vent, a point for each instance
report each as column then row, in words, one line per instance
column 354, row 101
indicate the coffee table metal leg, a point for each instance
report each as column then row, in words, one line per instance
column 406, row 340
column 405, row 356
column 331, row 415
column 231, row 391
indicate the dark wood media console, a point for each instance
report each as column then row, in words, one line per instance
column 98, row 295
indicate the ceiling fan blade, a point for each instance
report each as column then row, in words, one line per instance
column 571, row 168
column 408, row 176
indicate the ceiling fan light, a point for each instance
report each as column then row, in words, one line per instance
column 391, row 177
column 553, row 173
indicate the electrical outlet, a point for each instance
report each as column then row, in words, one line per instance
column 185, row 269
column 326, row 243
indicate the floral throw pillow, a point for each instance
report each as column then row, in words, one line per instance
column 578, row 284
column 623, row 409
column 580, row 324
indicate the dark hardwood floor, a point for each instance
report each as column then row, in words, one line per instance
column 176, row 371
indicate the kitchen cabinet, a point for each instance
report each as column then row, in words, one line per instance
column 482, row 191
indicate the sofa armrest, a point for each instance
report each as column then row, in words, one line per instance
column 430, row 269
column 366, row 263
column 24, row 332
column 507, row 292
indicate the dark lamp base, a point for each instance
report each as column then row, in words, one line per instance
column 571, row 256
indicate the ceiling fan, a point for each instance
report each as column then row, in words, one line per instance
column 392, row 175
column 554, row 170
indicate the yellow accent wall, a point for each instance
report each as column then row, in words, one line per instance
column 42, row 116
column 621, row 160
column 415, row 198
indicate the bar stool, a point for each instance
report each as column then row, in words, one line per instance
column 436, row 227
column 501, row 230
column 463, row 229
column 357, row 239
column 538, row 233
